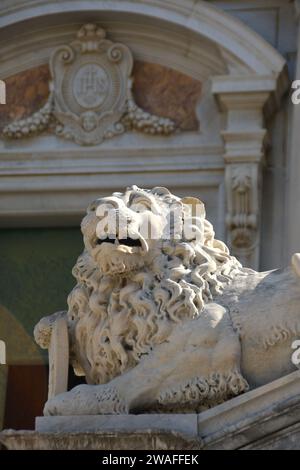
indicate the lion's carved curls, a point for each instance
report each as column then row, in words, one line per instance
column 116, row 320
column 168, row 323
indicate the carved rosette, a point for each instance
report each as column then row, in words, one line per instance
column 91, row 97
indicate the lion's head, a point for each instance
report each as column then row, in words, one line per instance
column 150, row 262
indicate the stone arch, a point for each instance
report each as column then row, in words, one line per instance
column 237, row 41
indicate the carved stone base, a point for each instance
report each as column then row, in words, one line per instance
column 101, row 440
column 265, row 418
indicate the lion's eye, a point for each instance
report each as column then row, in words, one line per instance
column 141, row 207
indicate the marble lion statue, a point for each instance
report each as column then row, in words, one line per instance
column 166, row 320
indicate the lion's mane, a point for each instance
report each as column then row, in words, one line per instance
column 115, row 320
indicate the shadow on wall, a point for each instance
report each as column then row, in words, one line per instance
column 23, row 385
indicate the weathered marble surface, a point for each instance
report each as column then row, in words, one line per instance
column 166, row 92
column 265, row 418
column 114, row 440
column 184, row 424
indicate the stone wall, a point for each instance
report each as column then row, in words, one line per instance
column 166, row 92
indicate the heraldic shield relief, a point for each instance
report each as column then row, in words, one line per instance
column 90, row 94
column 91, row 77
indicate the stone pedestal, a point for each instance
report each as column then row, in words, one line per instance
column 265, row 418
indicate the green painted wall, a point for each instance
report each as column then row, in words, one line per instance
column 35, row 274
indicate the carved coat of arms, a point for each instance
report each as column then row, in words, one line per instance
column 90, row 98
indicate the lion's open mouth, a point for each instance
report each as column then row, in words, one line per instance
column 121, row 241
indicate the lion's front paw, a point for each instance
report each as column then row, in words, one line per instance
column 87, row 400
